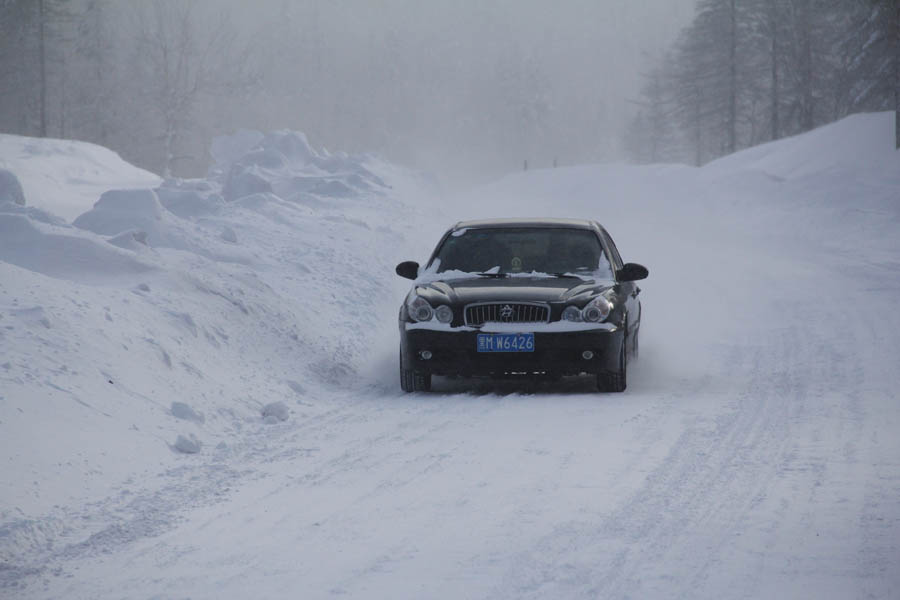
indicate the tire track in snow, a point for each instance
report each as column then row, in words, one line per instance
column 691, row 505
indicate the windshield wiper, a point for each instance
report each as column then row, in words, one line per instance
column 565, row 275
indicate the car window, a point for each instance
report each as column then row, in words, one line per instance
column 523, row 250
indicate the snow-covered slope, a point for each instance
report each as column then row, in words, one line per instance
column 66, row 177
column 198, row 389
column 156, row 298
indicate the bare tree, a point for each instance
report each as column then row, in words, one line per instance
column 184, row 56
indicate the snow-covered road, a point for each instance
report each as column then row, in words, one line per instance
column 754, row 454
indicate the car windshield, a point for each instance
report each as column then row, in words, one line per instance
column 522, row 250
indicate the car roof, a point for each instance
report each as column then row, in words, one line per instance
column 498, row 223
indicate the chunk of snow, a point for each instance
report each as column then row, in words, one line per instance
column 62, row 251
column 275, row 412
column 10, row 188
column 229, row 235
column 119, row 210
column 133, row 239
column 244, row 182
column 189, row 203
column 188, row 444
column 181, row 410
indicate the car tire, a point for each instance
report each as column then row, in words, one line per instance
column 414, row 381
column 614, row 381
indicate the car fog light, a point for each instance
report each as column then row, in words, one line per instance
column 425, row 354
column 587, row 355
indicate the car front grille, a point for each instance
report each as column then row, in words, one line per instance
column 506, row 312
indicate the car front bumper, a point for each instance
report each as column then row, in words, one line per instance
column 454, row 351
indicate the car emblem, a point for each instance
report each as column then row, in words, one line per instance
column 506, row 312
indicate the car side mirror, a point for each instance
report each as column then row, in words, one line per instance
column 408, row 269
column 632, row 272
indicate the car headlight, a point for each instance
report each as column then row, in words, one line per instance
column 597, row 310
column 444, row 313
column 419, row 309
column 572, row 313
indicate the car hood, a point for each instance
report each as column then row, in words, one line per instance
column 509, row 289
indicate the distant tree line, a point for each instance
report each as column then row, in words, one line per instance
column 122, row 74
column 467, row 89
column 156, row 79
column 746, row 72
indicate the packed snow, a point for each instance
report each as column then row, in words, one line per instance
column 66, row 177
column 199, row 393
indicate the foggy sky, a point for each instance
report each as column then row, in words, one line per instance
column 466, row 90
column 458, row 88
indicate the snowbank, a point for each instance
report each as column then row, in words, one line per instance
column 861, row 142
column 66, row 177
column 285, row 164
column 168, row 315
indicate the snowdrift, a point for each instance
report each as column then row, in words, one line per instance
column 213, row 297
column 858, row 143
column 66, row 177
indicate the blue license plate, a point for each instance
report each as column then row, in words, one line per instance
column 506, row 342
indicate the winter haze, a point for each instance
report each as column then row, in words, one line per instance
column 457, row 88
column 202, row 206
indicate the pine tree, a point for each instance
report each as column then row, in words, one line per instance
column 650, row 133
column 873, row 47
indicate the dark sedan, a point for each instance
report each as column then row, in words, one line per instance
column 548, row 297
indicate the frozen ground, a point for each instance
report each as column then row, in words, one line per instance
column 199, row 395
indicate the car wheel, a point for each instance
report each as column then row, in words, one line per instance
column 614, row 381
column 414, row 381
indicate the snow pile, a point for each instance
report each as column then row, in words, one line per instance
column 189, row 198
column 140, row 217
column 285, row 164
column 166, row 306
column 66, row 177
